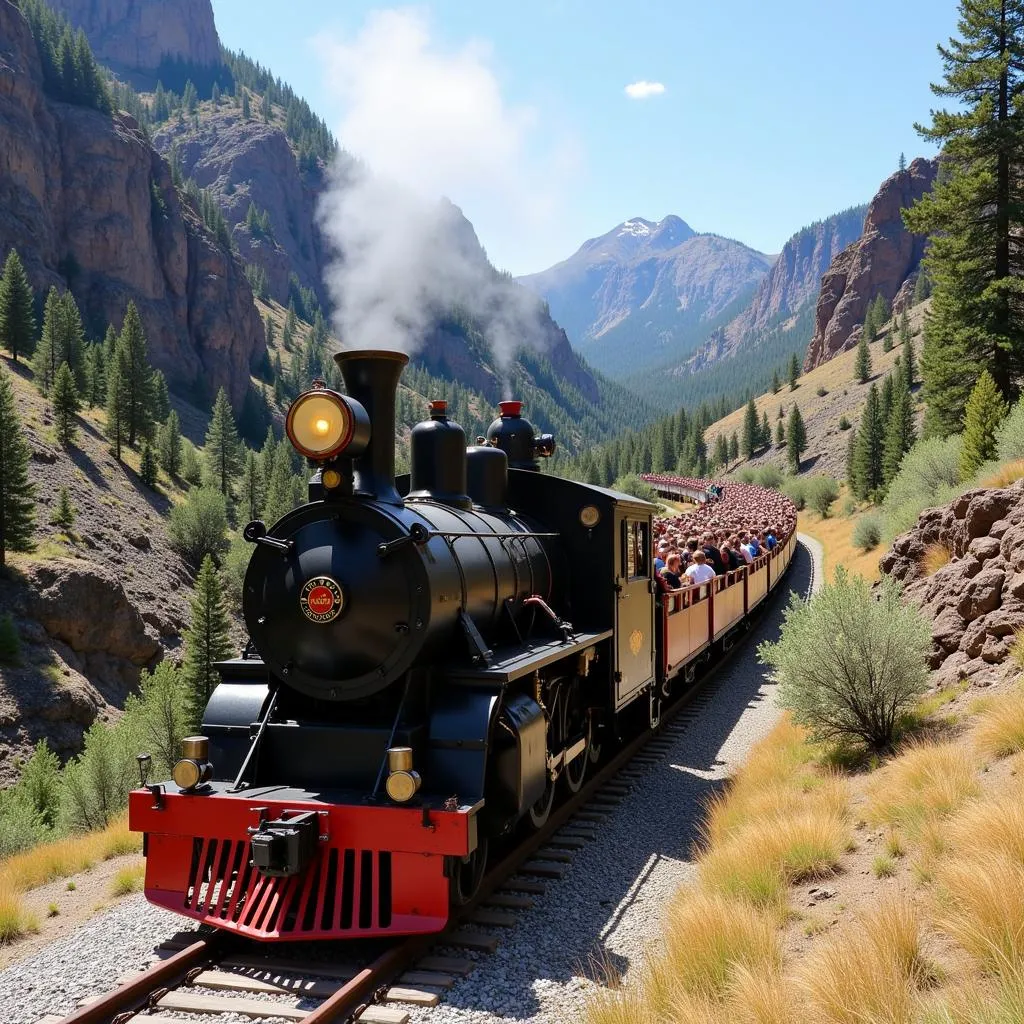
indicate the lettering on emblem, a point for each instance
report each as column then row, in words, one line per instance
column 321, row 599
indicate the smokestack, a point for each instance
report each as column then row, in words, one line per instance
column 371, row 377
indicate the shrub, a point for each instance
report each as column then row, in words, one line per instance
column 849, row 506
column 867, row 533
column 822, row 491
column 1010, row 435
column 849, row 666
column 632, row 484
column 769, row 476
column 40, row 782
column 236, row 562
column 198, row 526
column 795, row 488
column 821, row 392
column 128, row 880
column 156, row 718
column 21, row 825
column 10, row 641
column 747, row 475
column 1000, row 728
column 935, row 556
column 929, row 476
column 97, row 782
column 844, row 423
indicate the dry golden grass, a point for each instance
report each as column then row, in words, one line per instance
column 128, row 879
column 836, row 538
column 1006, row 474
column 1000, row 728
column 983, row 907
column 934, row 558
column 15, row 921
column 923, row 785
column 67, row 856
column 1017, row 647
column 995, row 823
column 765, row 998
column 870, row 972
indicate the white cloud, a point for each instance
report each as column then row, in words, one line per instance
column 642, row 90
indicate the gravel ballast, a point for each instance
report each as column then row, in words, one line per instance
column 604, row 911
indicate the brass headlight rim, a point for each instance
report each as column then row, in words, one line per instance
column 347, row 416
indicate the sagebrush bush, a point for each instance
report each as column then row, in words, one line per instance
column 849, row 506
column 929, row 476
column 632, row 484
column 21, row 825
column 10, row 641
column 1010, row 435
column 795, row 488
column 97, row 782
column 233, row 567
column 769, row 476
column 867, row 532
column 822, row 491
column 747, row 475
column 157, row 718
column 199, row 525
column 848, row 665
column 40, row 782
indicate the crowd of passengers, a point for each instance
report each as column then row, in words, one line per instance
column 742, row 523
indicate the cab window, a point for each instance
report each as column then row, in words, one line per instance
column 636, row 548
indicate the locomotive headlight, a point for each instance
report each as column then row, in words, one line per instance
column 319, row 424
column 193, row 768
column 403, row 782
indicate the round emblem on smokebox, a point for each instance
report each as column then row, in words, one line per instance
column 321, row 599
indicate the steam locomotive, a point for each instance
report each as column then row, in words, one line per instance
column 439, row 655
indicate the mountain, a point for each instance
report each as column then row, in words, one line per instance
column 883, row 261
column 90, row 205
column 647, row 292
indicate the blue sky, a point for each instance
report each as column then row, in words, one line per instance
column 772, row 115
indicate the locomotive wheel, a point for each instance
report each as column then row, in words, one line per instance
column 540, row 811
column 468, row 875
column 570, row 721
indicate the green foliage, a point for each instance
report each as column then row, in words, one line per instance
column 222, row 449
column 95, row 390
column 822, row 492
column 199, row 524
column 148, row 468
column 850, row 665
column 257, row 222
column 117, row 407
column 169, row 445
column 191, row 467
column 769, row 476
column 794, row 371
column 134, row 377
column 253, row 486
column 258, row 280
column 206, row 642
column 10, row 641
column 97, row 782
column 983, row 415
column 866, row 471
column 734, row 447
column 929, row 476
column 65, row 513
column 157, row 716
column 40, row 782
column 70, row 72
column 209, row 210
column 66, row 403
column 776, row 384
column 17, row 494
column 862, row 361
column 780, row 434
column 750, row 438
column 17, row 318
column 844, row 423
column 632, row 484
column 974, row 217
column 796, row 438
column 867, row 532
column 795, row 488
column 281, row 491
column 62, row 341
column 161, row 397
column 1010, row 435
column 821, row 392
column 233, row 569
column 21, row 825
column 900, row 432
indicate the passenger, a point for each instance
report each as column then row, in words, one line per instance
column 660, row 555
column 770, row 540
column 729, row 552
column 740, row 548
column 671, row 573
column 700, row 571
column 755, row 544
column 712, row 555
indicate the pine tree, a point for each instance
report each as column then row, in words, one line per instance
column 268, row 330
column 751, row 430
column 862, row 361
column 17, row 319
column 168, row 444
column 70, row 346
column 780, row 434
column 222, row 448
column 781, row 415
column 148, row 466
column 215, row 95
column 265, row 108
column 190, row 98
column 45, row 362
column 17, row 494
column 734, row 447
column 973, row 215
column 886, row 401
column 868, row 476
column 95, row 376
column 907, row 363
column 796, row 438
column 721, row 451
column 246, row 111
column 207, row 641
column 985, row 411
column 900, row 433
column 776, row 384
column 902, row 163
column 765, row 437
column 794, row 371
column 136, row 376
column 904, row 328
column 161, row 397
column 851, row 461
column 290, row 325
column 279, row 485
column 65, row 513
column 66, row 403
column 117, row 408
column 254, row 486
column 870, row 328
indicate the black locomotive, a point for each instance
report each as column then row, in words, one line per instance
column 438, row 655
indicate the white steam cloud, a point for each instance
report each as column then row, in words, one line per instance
column 424, row 124
column 642, row 90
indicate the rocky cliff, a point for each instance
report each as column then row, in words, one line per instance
column 645, row 292
column 880, row 262
column 975, row 602
column 87, row 202
column 137, row 35
column 243, row 162
column 791, row 284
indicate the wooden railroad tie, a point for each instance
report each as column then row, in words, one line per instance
column 544, row 869
column 509, row 901
column 473, row 940
column 569, row 843
column 558, row 856
column 446, row 964
column 529, row 885
column 493, row 918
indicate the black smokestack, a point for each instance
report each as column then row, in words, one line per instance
column 371, row 377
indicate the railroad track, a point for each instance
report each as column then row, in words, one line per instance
column 217, row 973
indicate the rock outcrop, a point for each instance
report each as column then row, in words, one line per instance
column 137, row 35
column 243, row 162
column 643, row 293
column 89, row 203
column 878, row 263
column 791, row 285
column 975, row 602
